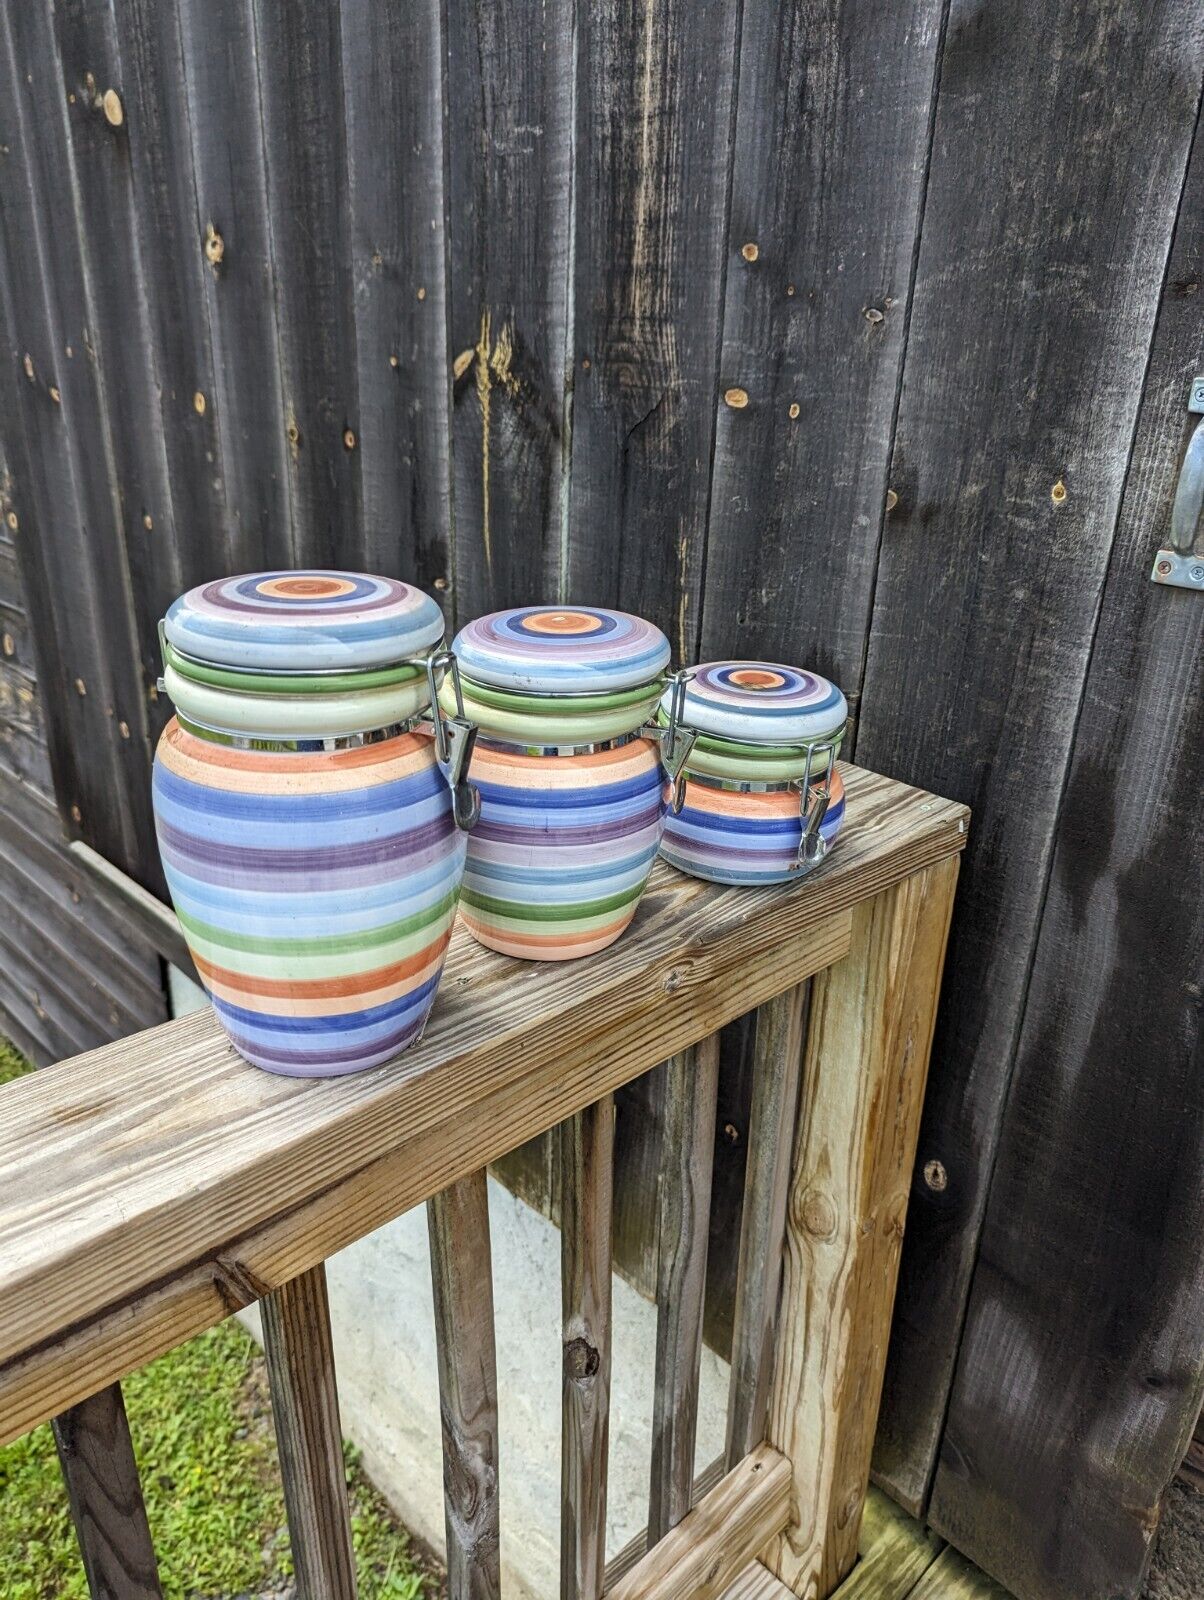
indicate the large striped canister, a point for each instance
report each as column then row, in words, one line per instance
column 764, row 800
column 304, row 819
column 570, row 781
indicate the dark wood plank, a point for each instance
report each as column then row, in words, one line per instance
column 77, row 573
column 101, row 1475
column 1088, row 1294
column 1034, row 303
column 1191, row 1469
column 655, row 98
column 174, row 275
column 509, row 165
column 462, row 1275
column 157, row 923
column 692, row 1082
column 831, row 156
column 126, row 351
column 90, row 939
column 394, row 66
column 587, row 1143
column 305, row 1407
column 299, row 59
column 778, row 1064
column 231, row 274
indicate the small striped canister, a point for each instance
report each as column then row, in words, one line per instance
column 569, row 777
column 305, row 822
column 764, row 800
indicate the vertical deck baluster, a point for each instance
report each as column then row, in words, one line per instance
column 777, row 1067
column 101, row 1475
column 305, row 1406
column 462, row 1276
column 586, row 1185
column 687, row 1153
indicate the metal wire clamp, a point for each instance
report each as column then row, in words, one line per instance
column 454, row 739
column 675, row 739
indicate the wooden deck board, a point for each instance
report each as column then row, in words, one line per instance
column 155, row 1185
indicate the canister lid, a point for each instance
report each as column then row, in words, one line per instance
column 761, row 702
column 308, row 621
column 561, row 650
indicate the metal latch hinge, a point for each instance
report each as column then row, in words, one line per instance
column 1181, row 560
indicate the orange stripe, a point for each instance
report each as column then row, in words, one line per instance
column 324, row 988
column 221, row 755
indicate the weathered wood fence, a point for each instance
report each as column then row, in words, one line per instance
column 852, row 334
column 156, row 1185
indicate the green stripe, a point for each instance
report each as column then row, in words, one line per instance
column 551, row 913
column 538, row 705
column 290, row 682
column 333, row 944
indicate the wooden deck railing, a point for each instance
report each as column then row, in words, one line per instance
column 151, row 1188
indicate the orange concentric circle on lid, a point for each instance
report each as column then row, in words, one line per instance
column 574, row 624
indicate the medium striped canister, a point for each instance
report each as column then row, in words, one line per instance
column 304, row 818
column 764, row 800
column 569, row 777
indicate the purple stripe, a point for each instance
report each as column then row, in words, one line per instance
column 392, row 847
column 326, row 1062
column 619, row 828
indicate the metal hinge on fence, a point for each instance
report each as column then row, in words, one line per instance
column 1181, row 561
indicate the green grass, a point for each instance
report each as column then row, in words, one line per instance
column 201, row 1424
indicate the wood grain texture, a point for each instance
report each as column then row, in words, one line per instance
column 230, row 272
column 952, row 1577
column 299, row 1352
column 1191, row 1468
column 54, row 413
column 714, row 1543
column 868, row 1041
column 587, row 1146
column 1081, row 1371
column 894, row 1552
column 509, row 174
column 394, row 63
column 688, row 1137
column 279, row 1176
column 302, row 101
column 780, row 1029
column 141, row 910
column 171, row 250
column 1030, row 331
column 73, row 977
column 652, row 170
column 634, row 1551
column 462, row 1276
column 122, row 340
column 757, row 1583
column 831, row 157
column 105, row 1495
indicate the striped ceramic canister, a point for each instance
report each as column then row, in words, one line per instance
column 571, row 805
column 764, row 800
column 305, row 824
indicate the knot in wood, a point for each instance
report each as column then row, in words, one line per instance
column 935, row 1176
column 817, row 1214
column 215, row 245
column 581, row 1360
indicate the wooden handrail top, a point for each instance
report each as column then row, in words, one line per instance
column 164, row 1158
